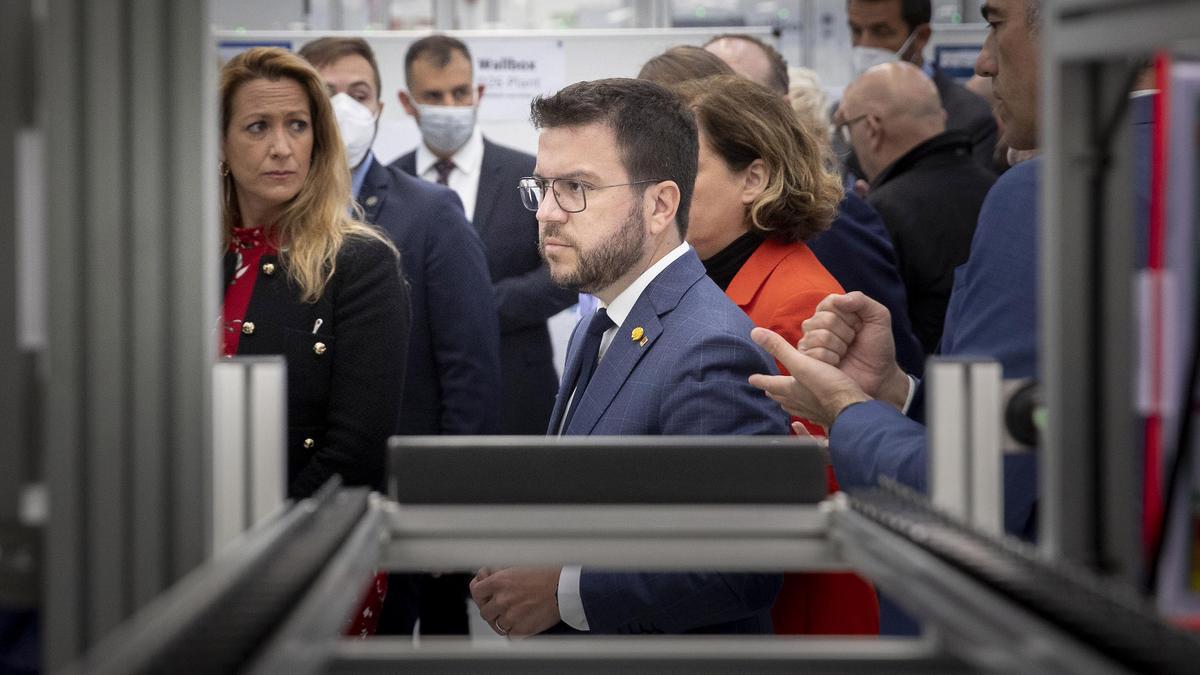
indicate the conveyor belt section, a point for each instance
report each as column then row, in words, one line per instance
column 221, row 631
column 1114, row 621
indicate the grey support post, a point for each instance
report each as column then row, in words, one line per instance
column 130, row 187
column 18, row 539
column 1089, row 468
column 966, row 461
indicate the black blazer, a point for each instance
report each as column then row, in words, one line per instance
column 525, row 295
column 344, row 377
column 930, row 200
column 965, row 112
column 971, row 114
column 453, row 381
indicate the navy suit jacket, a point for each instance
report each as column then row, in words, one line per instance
column 525, row 296
column 992, row 314
column 687, row 374
column 453, row 380
column 857, row 250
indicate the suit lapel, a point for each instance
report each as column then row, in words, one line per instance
column 489, row 188
column 624, row 354
column 618, row 363
column 570, row 374
column 755, row 272
column 374, row 191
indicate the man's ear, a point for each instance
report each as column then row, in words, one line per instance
column 409, row 106
column 662, row 203
column 916, row 51
column 875, row 132
column 754, row 180
column 479, row 93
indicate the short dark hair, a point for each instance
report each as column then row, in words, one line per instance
column 322, row 52
column 655, row 130
column 912, row 12
column 778, row 80
column 682, row 63
column 437, row 48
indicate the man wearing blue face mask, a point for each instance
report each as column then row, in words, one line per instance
column 452, row 384
column 883, row 31
column 443, row 99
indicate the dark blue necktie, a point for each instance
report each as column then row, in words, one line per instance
column 589, row 352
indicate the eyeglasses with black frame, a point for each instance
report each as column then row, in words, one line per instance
column 843, row 129
column 570, row 193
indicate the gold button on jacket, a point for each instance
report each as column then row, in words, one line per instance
column 268, row 268
column 248, row 328
column 319, row 348
column 309, row 443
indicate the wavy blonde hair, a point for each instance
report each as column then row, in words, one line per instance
column 317, row 222
column 744, row 121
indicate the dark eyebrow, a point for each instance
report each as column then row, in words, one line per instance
column 583, row 176
column 989, row 12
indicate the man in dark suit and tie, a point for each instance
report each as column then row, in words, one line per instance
column 666, row 353
column 453, row 380
column 443, row 100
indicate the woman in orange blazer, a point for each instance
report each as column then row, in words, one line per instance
column 766, row 184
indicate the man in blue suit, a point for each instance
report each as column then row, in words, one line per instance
column 443, row 100
column 453, row 377
column 666, row 353
column 844, row 374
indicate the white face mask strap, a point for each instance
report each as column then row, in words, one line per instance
column 907, row 43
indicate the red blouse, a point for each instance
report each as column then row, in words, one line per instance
column 250, row 245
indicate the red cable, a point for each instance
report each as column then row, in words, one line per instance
column 1152, row 505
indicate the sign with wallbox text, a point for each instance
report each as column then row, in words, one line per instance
column 514, row 71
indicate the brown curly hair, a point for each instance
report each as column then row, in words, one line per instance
column 744, row 121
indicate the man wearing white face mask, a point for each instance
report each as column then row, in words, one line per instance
column 443, row 99
column 452, row 384
column 883, row 31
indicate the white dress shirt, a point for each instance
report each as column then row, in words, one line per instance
column 464, row 177
column 570, row 604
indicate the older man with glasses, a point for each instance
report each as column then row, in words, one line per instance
column 924, row 183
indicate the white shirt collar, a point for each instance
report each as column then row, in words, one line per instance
column 468, row 158
column 621, row 305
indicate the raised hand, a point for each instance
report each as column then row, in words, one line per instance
column 853, row 333
column 815, row 390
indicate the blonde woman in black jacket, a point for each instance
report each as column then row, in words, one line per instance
column 303, row 277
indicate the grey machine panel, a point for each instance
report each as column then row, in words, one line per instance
column 605, row 470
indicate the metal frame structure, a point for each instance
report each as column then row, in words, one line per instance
column 1088, row 472
column 18, row 567
column 131, row 193
column 976, row 627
